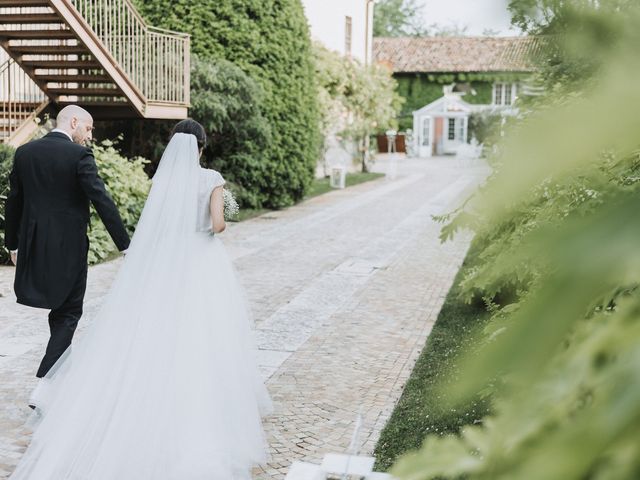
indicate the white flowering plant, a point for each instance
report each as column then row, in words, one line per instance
column 231, row 208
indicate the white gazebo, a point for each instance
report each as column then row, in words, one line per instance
column 442, row 126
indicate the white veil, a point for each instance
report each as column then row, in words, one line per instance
column 170, row 212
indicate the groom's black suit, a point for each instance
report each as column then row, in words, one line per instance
column 47, row 214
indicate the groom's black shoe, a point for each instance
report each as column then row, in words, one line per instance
column 32, row 406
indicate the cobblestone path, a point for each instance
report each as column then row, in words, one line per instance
column 344, row 289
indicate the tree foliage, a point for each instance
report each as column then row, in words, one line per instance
column 557, row 226
column 268, row 40
column 398, row 18
column 226, row 101
column 401, row 18
column 356, row 99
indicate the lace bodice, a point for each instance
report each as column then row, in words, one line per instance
column 209, row 179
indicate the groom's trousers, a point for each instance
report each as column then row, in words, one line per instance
column 62, row 324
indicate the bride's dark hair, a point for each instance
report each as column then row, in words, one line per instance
column 192, row 127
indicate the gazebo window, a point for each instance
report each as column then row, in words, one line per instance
column 452, row 129
column 426, row 131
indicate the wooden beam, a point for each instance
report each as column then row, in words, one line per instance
column 165, row 111
column 29, row 18
column 36, row 34
column 49, row 49
column 86, row 92
column 61, row 64
column 73, row 78
column 23, row 3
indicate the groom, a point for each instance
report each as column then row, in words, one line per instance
column 47, row 213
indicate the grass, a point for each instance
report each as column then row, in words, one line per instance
column 319, row 186
column 322, row 185
column 422, row 408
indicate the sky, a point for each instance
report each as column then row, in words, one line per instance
column 478, row 15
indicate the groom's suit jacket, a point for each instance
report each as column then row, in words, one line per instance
column 47, row 214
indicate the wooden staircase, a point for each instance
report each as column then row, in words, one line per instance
column 99, row 54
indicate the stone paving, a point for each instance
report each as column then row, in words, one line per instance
column 344, row 288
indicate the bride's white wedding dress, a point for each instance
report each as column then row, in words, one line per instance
column 164, row 384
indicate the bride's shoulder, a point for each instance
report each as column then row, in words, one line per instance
column 211, row 177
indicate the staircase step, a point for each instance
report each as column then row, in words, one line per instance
column 48, row 49
column 62, row 64
column 23, row 3
column 73, row 78
column 29, row 18
column 87, row 92
column 36, row 34
column 93, row 103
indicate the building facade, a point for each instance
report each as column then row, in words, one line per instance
column 344, row 26
column 489, row 71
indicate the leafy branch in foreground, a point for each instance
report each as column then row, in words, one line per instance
column 558, row 229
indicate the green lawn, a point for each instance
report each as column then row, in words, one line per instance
column 321, row 185
column 420, row 410
column 318, row 187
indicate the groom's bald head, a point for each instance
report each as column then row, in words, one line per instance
column 77, row 122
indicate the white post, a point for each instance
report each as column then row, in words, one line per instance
column 431, row 135
column 466, row 129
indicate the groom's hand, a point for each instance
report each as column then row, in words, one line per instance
column 14, row 258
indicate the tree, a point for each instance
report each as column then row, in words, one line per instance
column 226, row 101
column 269, row 40
column 398, row 18
column 356, row 99
column 451, row 30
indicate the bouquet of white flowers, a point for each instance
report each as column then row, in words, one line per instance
column 231, row 208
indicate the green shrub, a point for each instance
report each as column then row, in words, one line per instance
column 269, row 40
column 128, row 185
column 126, row 181
column 6, row 162
column 485, row 127
column 226, row 101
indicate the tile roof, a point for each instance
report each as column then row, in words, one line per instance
column 456, row 54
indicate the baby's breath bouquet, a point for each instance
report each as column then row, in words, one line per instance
column 231, row 208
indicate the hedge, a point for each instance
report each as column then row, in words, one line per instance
column 227, row 103
column 269, row 40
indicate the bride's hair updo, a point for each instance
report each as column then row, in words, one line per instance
column 192, row 127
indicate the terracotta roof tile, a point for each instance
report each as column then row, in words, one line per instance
column 456, row 54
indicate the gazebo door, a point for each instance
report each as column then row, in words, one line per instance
column 454, row 134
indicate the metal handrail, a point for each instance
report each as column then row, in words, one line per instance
column 156, row 60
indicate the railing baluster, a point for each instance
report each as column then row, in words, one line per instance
column 20, row 98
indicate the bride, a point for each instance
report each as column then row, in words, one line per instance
column 164, row 384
